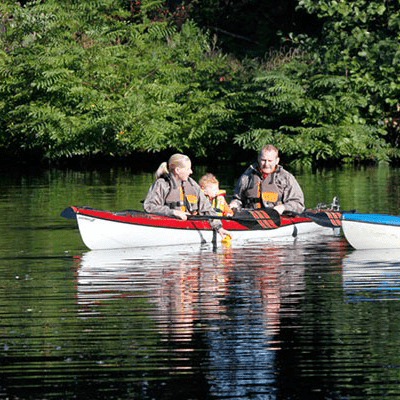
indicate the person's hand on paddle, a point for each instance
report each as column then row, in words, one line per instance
column 280, row 208
column 180, row 214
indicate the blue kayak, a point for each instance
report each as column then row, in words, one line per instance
column 371, row 231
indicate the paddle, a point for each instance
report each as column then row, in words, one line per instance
column 68, row 213
column 268, row 218
column 326, row 218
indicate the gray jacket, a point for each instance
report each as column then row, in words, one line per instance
column 289, row 189
column 158, row 192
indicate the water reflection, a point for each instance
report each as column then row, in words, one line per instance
column 295, row 320
column 372, row 275
column 243, row 345
column 232, row 298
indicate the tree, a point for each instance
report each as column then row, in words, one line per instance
column 83, row 78
column 106, row 77
column 250, row 28
column 312, row 118
column 359, row 41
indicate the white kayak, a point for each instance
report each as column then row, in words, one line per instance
column 101, row 230
column 371, row 231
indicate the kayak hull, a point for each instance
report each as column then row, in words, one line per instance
column 103, row 230
column 98, row 234
column 371, row 231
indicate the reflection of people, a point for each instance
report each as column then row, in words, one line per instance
column 267, row 184
column 174, row 193
column 210, row 186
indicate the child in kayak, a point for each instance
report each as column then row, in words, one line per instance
column 210, row 186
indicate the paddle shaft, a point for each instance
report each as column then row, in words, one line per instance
column 69, row 213
column 326, row 218
column 266, row 215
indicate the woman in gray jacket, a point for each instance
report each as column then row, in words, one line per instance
column 174, row 193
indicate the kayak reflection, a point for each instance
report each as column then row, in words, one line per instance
column 372, row 275
column 231, row 298
column 189, row 277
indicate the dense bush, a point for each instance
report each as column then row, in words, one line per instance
column 312, row 118
column 117, row 78
column 77, row 80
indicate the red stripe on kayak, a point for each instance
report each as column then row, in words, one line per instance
column 142, row 218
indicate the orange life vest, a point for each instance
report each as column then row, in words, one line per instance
column 219, row 203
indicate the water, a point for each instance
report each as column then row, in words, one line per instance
column 296, row 320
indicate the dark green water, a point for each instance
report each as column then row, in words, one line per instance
column 300, row 320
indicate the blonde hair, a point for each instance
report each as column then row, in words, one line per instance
column 208, row 179
column 175, row 161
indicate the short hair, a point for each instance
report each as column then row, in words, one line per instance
column 175, row 161
column 269, row 147
column 208, row 179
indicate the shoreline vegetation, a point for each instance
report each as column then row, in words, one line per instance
column 106, row 81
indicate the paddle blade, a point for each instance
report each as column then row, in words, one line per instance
column 326, row 218
column 68, row 213
column 268, row 218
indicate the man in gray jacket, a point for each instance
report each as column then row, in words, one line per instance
column 267, row 184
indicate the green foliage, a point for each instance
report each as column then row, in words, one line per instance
column 105, row 77
column 312, row 119
column 337, row 97
column 360, row 41
column 78, row 82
